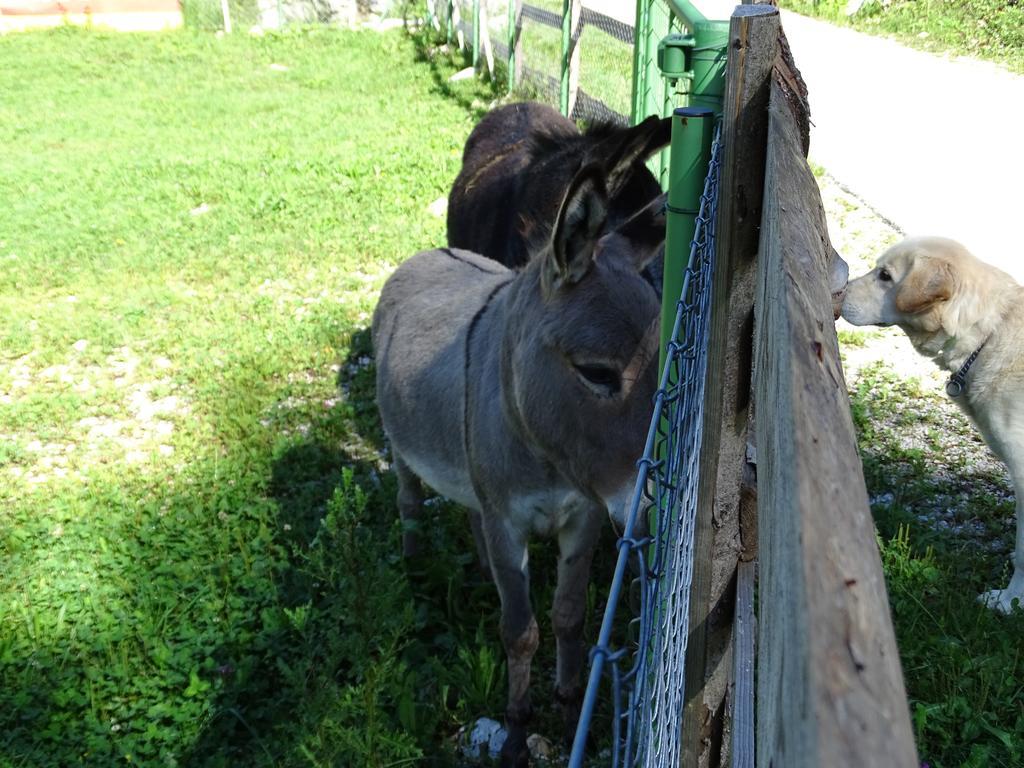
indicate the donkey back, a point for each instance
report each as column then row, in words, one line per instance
column 517, row 166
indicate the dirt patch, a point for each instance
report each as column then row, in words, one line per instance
column 132, row 415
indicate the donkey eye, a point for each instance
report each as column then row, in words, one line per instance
column 884, row 276
column 602, row 379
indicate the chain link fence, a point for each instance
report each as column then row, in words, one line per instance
column 646, row 667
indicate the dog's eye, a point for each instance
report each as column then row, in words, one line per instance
column 602, row 379
column 884, row 276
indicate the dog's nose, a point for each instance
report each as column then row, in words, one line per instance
column 839, row 276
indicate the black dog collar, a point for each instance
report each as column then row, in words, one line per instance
column 957, row 382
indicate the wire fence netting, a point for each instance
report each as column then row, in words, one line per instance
column 646, row 662
column 605, row 44
column 606, row 66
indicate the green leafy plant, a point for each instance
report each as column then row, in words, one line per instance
column 933, row 485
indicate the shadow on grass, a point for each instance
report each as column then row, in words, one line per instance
column 363, row 659
column 444, row 60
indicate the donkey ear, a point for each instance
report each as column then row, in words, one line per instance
column 644, row 231
column 634, row 144
column 580, row 220
column 928, row 282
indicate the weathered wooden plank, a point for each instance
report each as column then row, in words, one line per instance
column 744, row 632
column 830, row 689
column 753, row 46
column 515, row 75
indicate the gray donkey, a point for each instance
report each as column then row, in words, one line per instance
column 526, row 398
column 517, row 165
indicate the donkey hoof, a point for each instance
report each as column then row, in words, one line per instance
column 514, row 752
column 571, row 703
column 410, row 545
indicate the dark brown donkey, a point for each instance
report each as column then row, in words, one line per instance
column 526, row 397
column 517, row 165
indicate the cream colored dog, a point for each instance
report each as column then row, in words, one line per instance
column 968, row 317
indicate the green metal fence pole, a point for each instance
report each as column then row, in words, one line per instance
column 450, row 31
column 693, row 130
column 429, row 15
column 687, row 12
column 654, row 22
column 511, row 37
column 563, row 96
column 711, row 42
column 476, row 34
column 640, row 57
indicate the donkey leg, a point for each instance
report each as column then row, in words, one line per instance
column 576, row 545
column 506, row 549
column 477, row 524
column 410, row 504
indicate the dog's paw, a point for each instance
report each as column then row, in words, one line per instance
column 1002, row 600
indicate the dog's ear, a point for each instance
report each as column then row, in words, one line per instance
column 928, row 282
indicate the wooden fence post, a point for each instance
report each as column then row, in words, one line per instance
column 719, row 541
column 225, row 12
column 830, row 689
column 476, row 34
column 485, row 38
column 515, row 46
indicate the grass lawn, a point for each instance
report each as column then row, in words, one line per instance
column 983, row 29
column 199, row 543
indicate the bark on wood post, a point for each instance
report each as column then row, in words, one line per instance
column 830, row 689
column 753, row 47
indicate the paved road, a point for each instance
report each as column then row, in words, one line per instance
column 934, row 145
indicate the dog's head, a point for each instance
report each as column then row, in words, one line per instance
column 910, row 287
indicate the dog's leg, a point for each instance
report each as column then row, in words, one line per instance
column 1016, row 588
column 1003, row 599
column 477, row 524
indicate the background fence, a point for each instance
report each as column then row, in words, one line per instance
column 575, row 56
column 245, row 15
